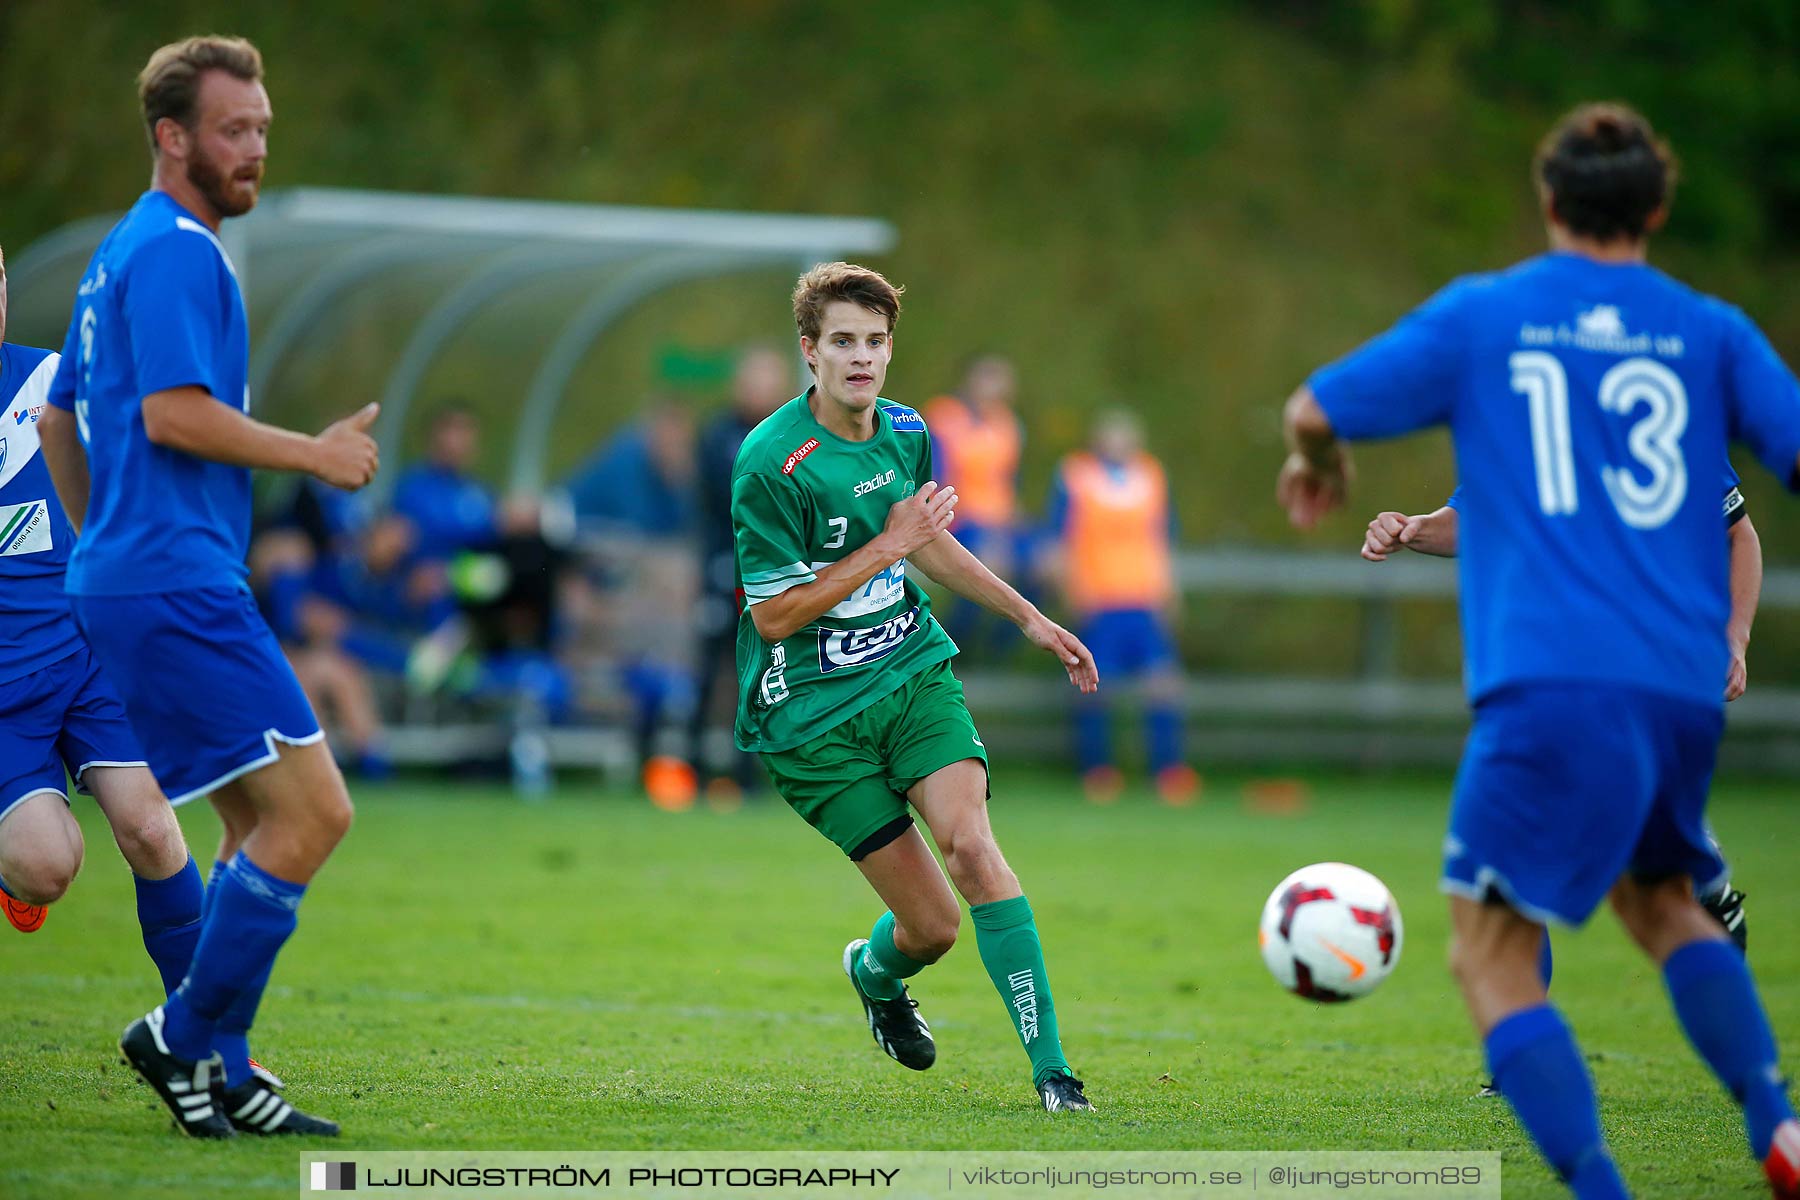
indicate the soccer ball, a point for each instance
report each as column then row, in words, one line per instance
column 1330, row 932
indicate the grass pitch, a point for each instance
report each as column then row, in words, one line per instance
column 472, row 972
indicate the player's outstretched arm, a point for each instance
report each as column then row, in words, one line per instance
column 949, row 562
column 1746, row 592
column 1432, row 533
column 67, row 462
column 1317, row 473
column 189, row 419
column 911, row 523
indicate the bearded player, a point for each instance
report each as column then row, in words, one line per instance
column 845, row 686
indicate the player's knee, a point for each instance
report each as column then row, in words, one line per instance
column 45, row 876
column 937, row 934
column 151, row 840
column 41, row 850
column 335, row 817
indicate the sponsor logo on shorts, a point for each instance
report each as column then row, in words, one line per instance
column 840, row 648
column 799, row 456
column 25, row 528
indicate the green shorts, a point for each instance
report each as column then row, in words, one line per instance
column 850, row 782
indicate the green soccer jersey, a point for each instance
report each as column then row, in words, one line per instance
column 801, row 498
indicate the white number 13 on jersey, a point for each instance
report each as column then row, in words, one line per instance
column 1654, row 441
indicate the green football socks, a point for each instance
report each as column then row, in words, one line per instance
column 882, row 966
column 1007, row 937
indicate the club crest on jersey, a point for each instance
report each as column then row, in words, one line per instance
column 799, row 456
column 905, row 420
column 840, row 648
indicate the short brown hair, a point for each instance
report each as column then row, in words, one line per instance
column 842, row 281
column 1605, row 171
column 169, row 84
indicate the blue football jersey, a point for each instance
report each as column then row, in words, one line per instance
column 159, row 308
column 36, row 628
column 1731, row 508
column 1591, row 405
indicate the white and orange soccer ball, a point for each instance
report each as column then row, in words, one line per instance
column 1330, row 932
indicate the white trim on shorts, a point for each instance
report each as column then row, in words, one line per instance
column 270, row 737
column 6, row 810
column 82, row 787
column 1488, row 881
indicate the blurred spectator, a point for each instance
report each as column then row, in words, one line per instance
column 1114, row 528
column 449, row 509
column 762, row 383
column 976, row 441
column 508, row 594
column 642, row 481
column 296, row 577
column 638, row 489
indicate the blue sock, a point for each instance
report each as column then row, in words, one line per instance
column 1716, row 1003
column 231, row 1039
column 1546, row 961
column 251, row 917
column 213, row 878
column 1537, row 1067
column 1164, row 721
column 169, row 910
column 1093, row 736
column 7, row 890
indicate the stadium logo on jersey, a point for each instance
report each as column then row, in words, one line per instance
column 840, row 648
column 799, row 456
column 874, row 484
column 905, row 420
column 24, row 528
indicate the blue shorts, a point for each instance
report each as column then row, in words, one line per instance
column 1566, row 787
column 63, row 716
column 1127, row 641
column 204, row 681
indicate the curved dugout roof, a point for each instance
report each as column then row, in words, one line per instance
column 351, row 238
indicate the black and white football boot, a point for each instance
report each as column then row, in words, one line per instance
column 186, row 1088
column 1727, row 908
column 1062, row 1093
column 255, row 1107
column 896, row 1024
